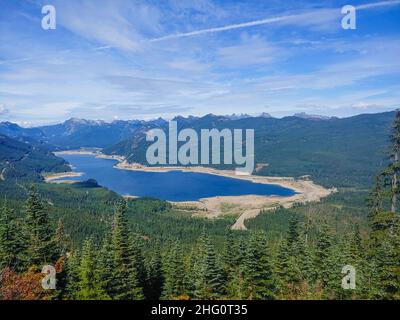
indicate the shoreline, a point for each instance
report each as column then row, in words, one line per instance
column 244, row 207
column 55, row 176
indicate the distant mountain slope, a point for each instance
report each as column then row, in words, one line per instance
column 19, row 160
column 335, row 152
column 338, row 152
column 13, row 130
column 76, row 133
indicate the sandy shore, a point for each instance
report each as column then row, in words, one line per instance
column 57, row 176
column 244, row 207
column 96, row 153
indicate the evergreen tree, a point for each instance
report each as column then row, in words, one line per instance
column 230, row 253
column 126, row 280
column 174, row 271
column 384, row 253
column 257, row 271
column 387, row 266
column 138, row 261
column 393, row 170
column 289, row 272
column 106, row 266
column 381, row 220
column 89, row 282
column 11, row 242
column 323, row 252
column 63, row 240
column 72, row 275
column 351, row 252
column 231, row 258
column 39, row 236
column 210, row 281
column 155, row 277
column 306, row 254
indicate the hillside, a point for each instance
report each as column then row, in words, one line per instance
column 344, row 152
column 22, row 161
column 335, row 152
column 77, row 133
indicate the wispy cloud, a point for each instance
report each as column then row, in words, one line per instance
column 3, row 110
column 302, row 18
column 224, row 28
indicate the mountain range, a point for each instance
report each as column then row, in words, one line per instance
column 334, row 151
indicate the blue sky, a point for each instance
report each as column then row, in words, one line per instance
column 120, row 59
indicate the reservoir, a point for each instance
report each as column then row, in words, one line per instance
column 173, row 185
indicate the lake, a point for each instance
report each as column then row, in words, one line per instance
column 172, row 185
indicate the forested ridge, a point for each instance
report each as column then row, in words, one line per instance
column 344, row 152
column 124, row 263
column 23, row 161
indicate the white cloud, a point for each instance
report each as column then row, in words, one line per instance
column 3, row 110
column 251, row 51
column 321, row 18
column 113, row 23
column 366, row 105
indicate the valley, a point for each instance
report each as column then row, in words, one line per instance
column 179, row 210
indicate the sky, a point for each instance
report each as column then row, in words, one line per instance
column 120, row 59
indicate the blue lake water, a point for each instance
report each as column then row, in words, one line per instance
column 172, row 185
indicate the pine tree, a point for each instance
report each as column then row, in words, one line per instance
column 210, row 282
column 174, row 271
column 306, row 254
column 106, row 266
column 231, row 258
column 323, row 253
column 138, row 261
column 155, row 277
column 230, row 253
column 39, row 235
column 126, row 278
column 384, row 256
column 89, row 282
column 290, row 252
column 72, row 271
column 387, row 266
column 380, row 219
column 393, row 169
column 62, row 239
column 351, row 252
column 11, row 242
column 257, row 271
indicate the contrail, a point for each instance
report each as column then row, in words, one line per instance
column 264, row 21
column 225, row 28
column 377, row 4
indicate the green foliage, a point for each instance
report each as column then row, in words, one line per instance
column 257, row 269
column 24, row 162
column 335, row 152
column 209, row 277
column 89, row 280
column 174, row 271
column 126, row 260
column 11, row 240
column 38, row 233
